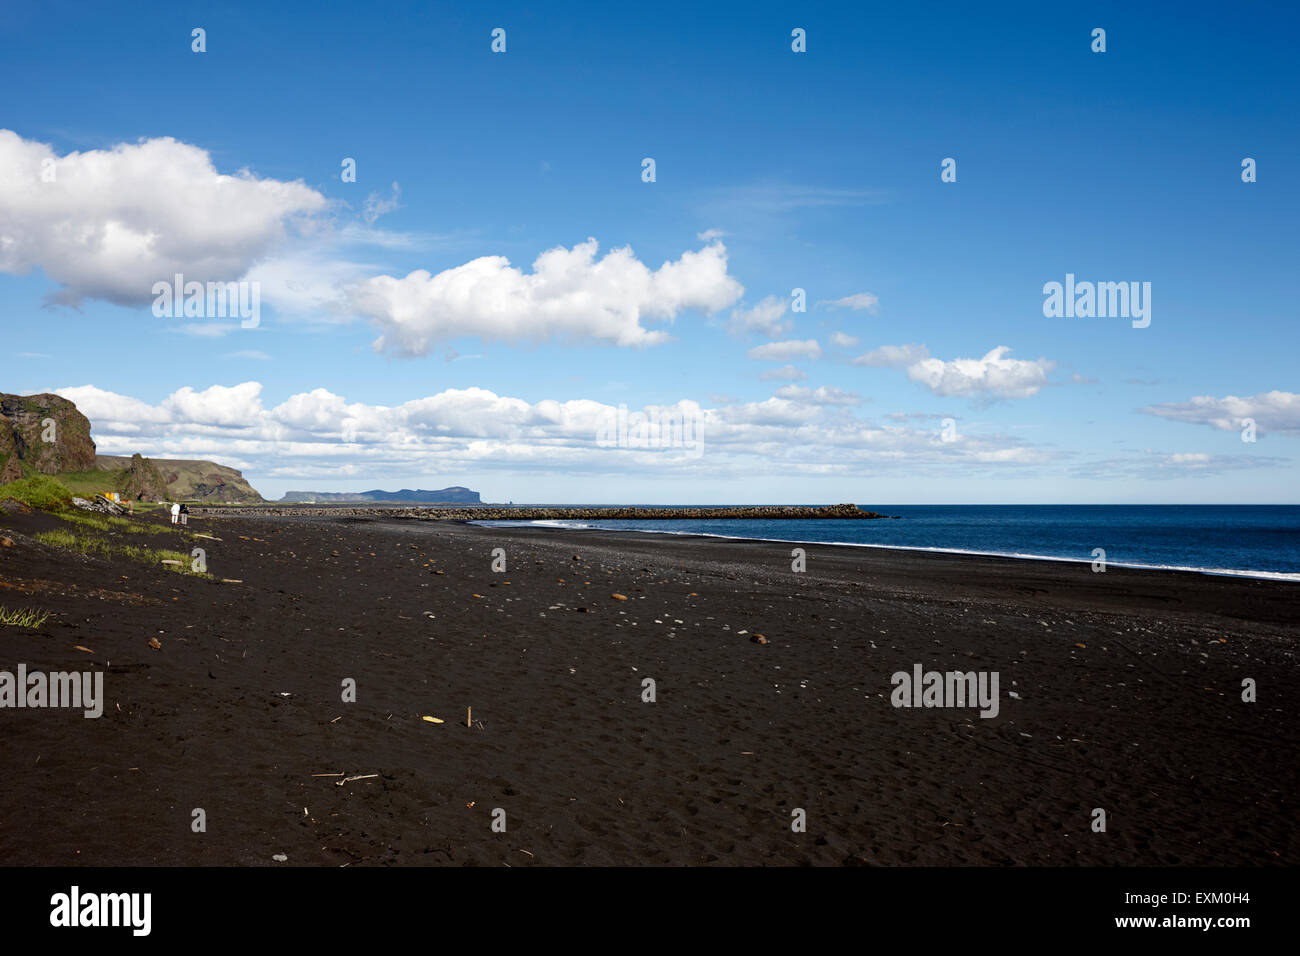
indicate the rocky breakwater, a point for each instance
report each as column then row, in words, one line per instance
column 488, row 513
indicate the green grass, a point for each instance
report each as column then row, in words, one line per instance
column 87, row 484
column 108, row 523
column 23, row 617
column 70, row 541
column 94, row 545
column 38, row 491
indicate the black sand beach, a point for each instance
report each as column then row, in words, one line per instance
column 1127, row 697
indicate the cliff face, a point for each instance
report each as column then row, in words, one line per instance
column 28, row 422
column 188, row 480
column 48, row 434
column 9, row 468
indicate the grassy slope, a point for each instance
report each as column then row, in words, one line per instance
column 87, row 484
column 186, row 474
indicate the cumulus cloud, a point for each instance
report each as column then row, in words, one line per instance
column 784, row 351
column 111, row 412
column 991, row 377
column 842, row 340
column 218, row 405
column 764, row 317
column 786, row 373
column 1273, row 411
column 862, row 301
column 570, row 295
column 994, row 375
column 322, row 434
column 113, row 222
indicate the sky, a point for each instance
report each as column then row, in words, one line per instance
column 831, row 284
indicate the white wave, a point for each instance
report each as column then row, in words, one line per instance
column 1023, row 556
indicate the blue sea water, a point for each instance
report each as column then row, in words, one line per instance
column 1250, row 540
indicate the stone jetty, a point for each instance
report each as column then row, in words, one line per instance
column 524, row 513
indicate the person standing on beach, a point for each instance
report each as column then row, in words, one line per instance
column 176, row 513
column 185, row 515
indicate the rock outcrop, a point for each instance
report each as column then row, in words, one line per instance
column 142, row 481
column 10, row 470
column 45, row 431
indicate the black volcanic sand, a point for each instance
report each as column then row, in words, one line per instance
column 1128, row 683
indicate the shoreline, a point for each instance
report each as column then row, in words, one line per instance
column 1283, row 576
column 1119, row 690
column 437, row 512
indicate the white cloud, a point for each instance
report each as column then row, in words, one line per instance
column 993, row 376
column 892, row 356
column 823, row 395
column 784, row 351
column 113, row 222
column 237, row 405
column 1274, row 411
column 1165, row 466
column 862, row 301
column 764, row 317
column 708, row 235
column 111, row 412
column 376, row 205
column 570, row 295
column 843, row 341
column 323, row 435
column 786, row 373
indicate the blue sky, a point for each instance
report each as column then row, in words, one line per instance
column 774, row 170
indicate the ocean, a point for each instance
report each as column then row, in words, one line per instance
column 1248, row 540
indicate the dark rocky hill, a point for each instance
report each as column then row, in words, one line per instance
column 44, row 431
